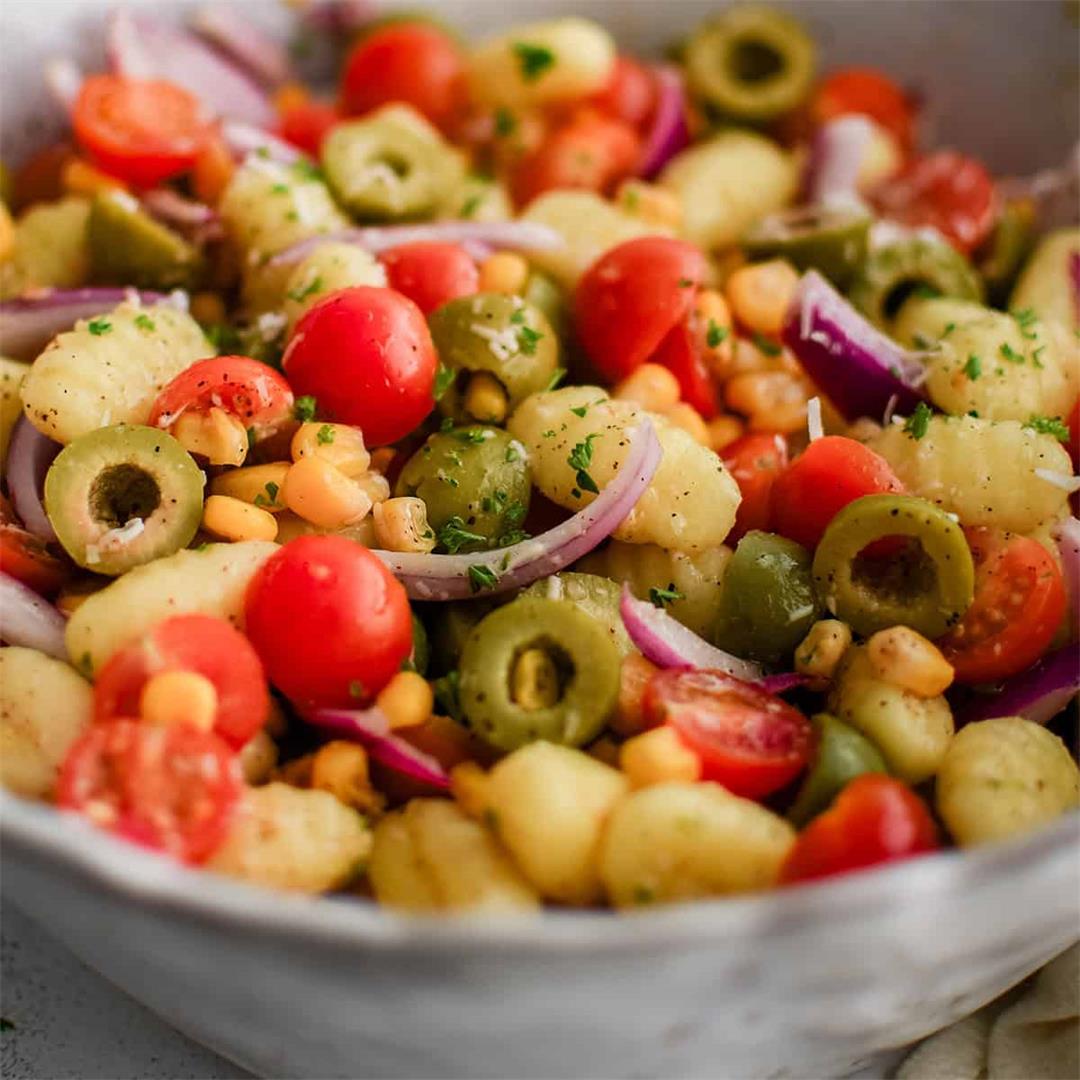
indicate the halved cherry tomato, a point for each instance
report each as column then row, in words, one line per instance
column 832, row 472
column 141, row 130
column 749, row 740
column 951, row 192
column 367, row 357
column 682, row 352
column 630, row 93
column 252, row 391
column 199, row 643
column 430, row 274
column 411, row 62
column 755, row 461
column 25, row 557
column 866, row 91
column 1019, row 604
column 306, row 123
column 875, row 819
column 330, row 622
column 591, row 151
column 171, row 789
column 629, row 299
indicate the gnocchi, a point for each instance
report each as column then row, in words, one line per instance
column 12, row 374
column 330, row 267
column 50, row 249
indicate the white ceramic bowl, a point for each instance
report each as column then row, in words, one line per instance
column 801, row 983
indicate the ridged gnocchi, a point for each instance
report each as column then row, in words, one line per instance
column 109, row 369
column 51, row 249
column 1045, row 285
column 284, row 837
column 12, row 374
column 984, row 471
column 330, row 267
column 44, row 707
column 689, row 476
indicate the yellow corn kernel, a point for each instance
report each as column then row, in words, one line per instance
column 534, row 682
column 296, row 773
column 715, row 330
column 657, row 756
column 771, row 400
column 504, row 272
column 7, row 234
column 290, row 95
column 375, row 485
column 651, row 386
column 81, row 178
column 401, row 525
column 468, row 785
column 341, row 768
column 724, row 430
column 382, row 458
column 690, row 420
column 179, row 697
column 822, row 649
column 341, row 445
column 318, row 492
column 485, row 399
column 747, row 357
column 207, row 308
column 761, row 293
column 259, row 485
column 217, row 435
column 406, row 700
column 653, row 205
column 903, row 657
column 233, row 519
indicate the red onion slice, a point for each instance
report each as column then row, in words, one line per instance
column 668, row 133
column 1074, row 280
column 1037, row 694
column 854, row 364
column 29, row 456
column 458, row 577
column 28, row 620
column 371, row 728
column 261, row 57
column 784, row 681
column 243, row 139
column 171, row 208
column 836, row 155
column 1067, row 537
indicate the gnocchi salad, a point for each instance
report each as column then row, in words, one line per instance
column 520, row 473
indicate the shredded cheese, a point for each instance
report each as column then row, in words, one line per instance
column 1058, row 479
column 813, row 419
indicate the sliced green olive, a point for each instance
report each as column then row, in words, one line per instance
column 832, row 241
column 452, row 623
column 1012, row 240
column 595, row 595
column 928, row 586
column 539, row 669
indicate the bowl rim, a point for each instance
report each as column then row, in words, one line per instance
column 42, row 834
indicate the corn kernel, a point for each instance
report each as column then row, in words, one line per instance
column 7, row 234
column 289, row 96
column 179, row 697
column 658, row 756
column 651, row 386
column 723, row 431
column 338, row 444
column 485, row 399
column 690, row 420
column 822, row 649
column 207, row 308
column 905, row 658
column 233, row 519
column 634, row 676
column 761, row 293
column 771, row 400
column 401, row 525
column 653, row 205
column 503, row 272
column 217, row 435
column 534, row 681
column 81, row 178
column 406, row 700
column 341, row 768
column 259, row 485
column 318, row 492
column 375, row 485
column 714, row 327
column 468, row 785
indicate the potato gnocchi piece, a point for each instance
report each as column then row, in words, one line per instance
column 548, row 804
column 44, row 707
column 697, row 576
column 51, row 249
column 12, row 374
column 330, row 267
column 984, row 471
column 985, row 361
column 477, row 198
column 669, row 513
column 208, row 582
column 913, row 733
column 1045, row 285
column 431, row 857
column 109, row 369
column 284, row 837
column 682, row 841
column 1004, row 778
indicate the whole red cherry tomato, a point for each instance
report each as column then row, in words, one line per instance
column 630, row 93
column 430, row 274
column 25, row 557
column 871, row 93
column 306, row 123
column 755, row 461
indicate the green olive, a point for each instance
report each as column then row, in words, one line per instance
column 451, row 625
column 831, row 240
column 503, row 335
column 539, row 669
column 1010, row 244
column 476, row 483
column 751, row 64
column 596, row 596
column 549, row 299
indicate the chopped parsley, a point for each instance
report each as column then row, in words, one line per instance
column 303, row 292
column 279, row 189
column 534, row 60
column 769, row 348
column 557, row 377
column 270, row 498
column 97, row 327
column 925, row 291
column 715, row 335
column 473, row 435
column 144, row 322
column 505, row 122
column 307, row 170
column 304, row 409
column 223, row 337
column 446, row 694
column 1049, row 425
column 917, row 423
column 252, row 437
column 1035, row 357
column 527, row 340
column 515, row 513
column 471, row 205
column 579, row 459
column 1024, row 318
column 581, row 410
column 518, row 317
column 660, row 597
column 444, row 379
column 511, row 537
column 357, row 689
column 949, row 328
column 325, row 435
column 512, row 454
column 1010, row 353
column 454, row 536
column 973, row 367
column 482, row 577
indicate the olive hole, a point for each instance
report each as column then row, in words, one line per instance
column 396, row 164
column 895, row 568
column 753, row 61
column 122, row 492
column 901, row 293
column 539, row 675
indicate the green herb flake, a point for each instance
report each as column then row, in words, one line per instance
column 454, row 536
column 518, row 317
column 512, row 454
column 527, row 340
column 557, row 377
column 505, row 122
column 1024, row 318
column 685, row 283
column 973, row 367
column 918, row 422
column 325, row 435
column 473, row 436
column 307, row 170
column 534, row 60
column 144, row 322
column 949, row 328
column 223, row 337
column 279, row 189
column 1035, row 357
column 581, row 410
column 97, row 327
column 660, row 597
column 252, row 438
column 769, row 348
column 1010, row 353
column 482, row 577
column 444, row 379
column 270, row 498
column 303, row 292
column 1049, row 425
column 715, row 335
column 471, row 205
column 357, row 690
column 304, row 409
column 925, row 291
column 579, row 459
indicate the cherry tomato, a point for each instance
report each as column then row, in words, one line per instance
column 430, row 274
column 172, row 789
column 630, row 93
column 591, row 151
column 866, row 91
column 1019, row 604
column 749, row 740
column 409, row 62
column 875, row 819
column 198, row 643
column 250, row 390
column 755, row 461
column 25, row 557
column 629, row 299
column 951, row 192
column 331, row 623
column 306, row 123
column 141, row 130
column 682, row 352
column 832, row 472
column 365, row 354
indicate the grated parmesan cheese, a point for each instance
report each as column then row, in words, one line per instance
column 1058, row 479
column 813, row 419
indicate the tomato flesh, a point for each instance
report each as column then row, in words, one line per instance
column 1019, row 603
column 25, row 557
column 306, row 123
column 682, row 352
column 749, row 740
column 755, row 461
column 430, row 274
column 871, row 93
column 630, row 93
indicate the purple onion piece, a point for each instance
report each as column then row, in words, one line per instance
column 244, row 43
column 1037, row 694
column 668, row 133
column 29, row 456
column 28, row 620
